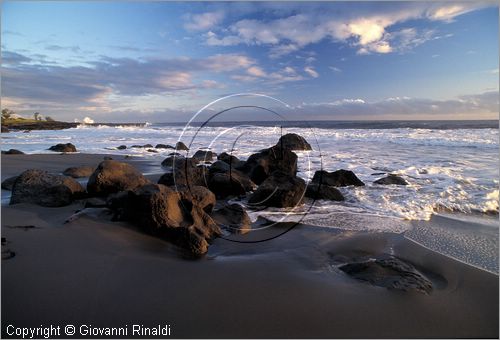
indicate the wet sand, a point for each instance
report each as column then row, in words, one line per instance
column 108, row 274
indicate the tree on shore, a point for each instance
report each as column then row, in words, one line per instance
column 6, row 113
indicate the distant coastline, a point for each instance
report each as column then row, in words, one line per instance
column 28, row 125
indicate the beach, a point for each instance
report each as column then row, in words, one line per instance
column 99, row 273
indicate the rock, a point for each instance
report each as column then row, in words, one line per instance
column 13, row 152
column 80, row 171
column 5, row 129
column 160, row 211
column 323, row 191
column 230, row 159
column 40, row 187
column 202, row 155
column 181, row 146
column 219, row 166
column 390, row 273
column 184, row 173
column 224, row 185
column 95, row 202
column 152, row 150
column 121, row 147
column 163, row 146
column 147, row 146
column 233, row 218
column 9, row 183
column 339, row 178
column 260, row 165
column 68, row 147
column 391, row 179
column 179, row 160
column 203, row 197
column 174, row 154
column 279, row 190
column 113, row 176
column 293, row 141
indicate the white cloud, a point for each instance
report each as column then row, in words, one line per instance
column 311, row 71
column 334, row 69
column 256, row 71
column 203, row 21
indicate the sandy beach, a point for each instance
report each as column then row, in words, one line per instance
column 92, row 271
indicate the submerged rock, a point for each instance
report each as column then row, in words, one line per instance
column 121, row 147
column 40, row 187
column 390, row 273
column 391, row 179
column 79, row 171
column 68, row 147
column 259, row 166
column 113, row 176
column 323, row 191
column 233, row 218
column 279, row 190
column 293, row 141
column 339, row 178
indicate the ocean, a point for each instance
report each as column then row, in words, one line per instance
column 452, row 166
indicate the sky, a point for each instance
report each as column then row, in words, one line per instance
column 164, row 61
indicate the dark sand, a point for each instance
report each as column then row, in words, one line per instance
column 96, row 272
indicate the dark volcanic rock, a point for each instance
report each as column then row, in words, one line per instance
column 178, row 161
column 13, row 152
column 293, row 141
column 112, row 176
column 152, row 150
column 279, row 190
column 259, row 166
column 339, row 178
column 39, row 187
column 230, row 159
column 233, row 218
column 201, row 195
column 202, row 155
column 390, row 273
column 323, row 191
column 391, row 179
column 225, row 181
column 219, row 166
column 80, row 171
column 184, row 172
column 121, row 147
column 9, row 183
column 181, row 146
column 163, row 146
column 68, row 147
column 160, row 211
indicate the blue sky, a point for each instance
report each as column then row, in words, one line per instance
column 162, row 61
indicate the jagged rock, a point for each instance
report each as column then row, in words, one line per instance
column 112, row 176
column 68, row 147
column 181, row 146
column 80, row 171
column 163, row 146
column 233, row 218
column 390, row 273
column 9, row 183
column 40, row 187
column 293, row 141
column 279, row 190
column 259, row 166
column 202, row 155
column 121, row 147
column 12, row 152
column 391, row 179
column 168, row 214
column 323, row 191
column 339, row 178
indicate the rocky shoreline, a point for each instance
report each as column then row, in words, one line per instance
column 54, row 125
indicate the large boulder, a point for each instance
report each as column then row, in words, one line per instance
column 121, row 147
column 113, row 176
column 230, row 159
column 178, row 160
column 233, row 218
column 68, row 147
column 201, row 195
column 203, row 155
column 279, row 190
column 79, row 171
column 391, row 179
column 163, row 146
column 323, row 191
column 165, row 213
column 259, row 166
column 185, row 172
column 13, row 152
column 180, row 146
column 339, row 178
column 293, row 141
column 8, row 183
column 40, row 187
